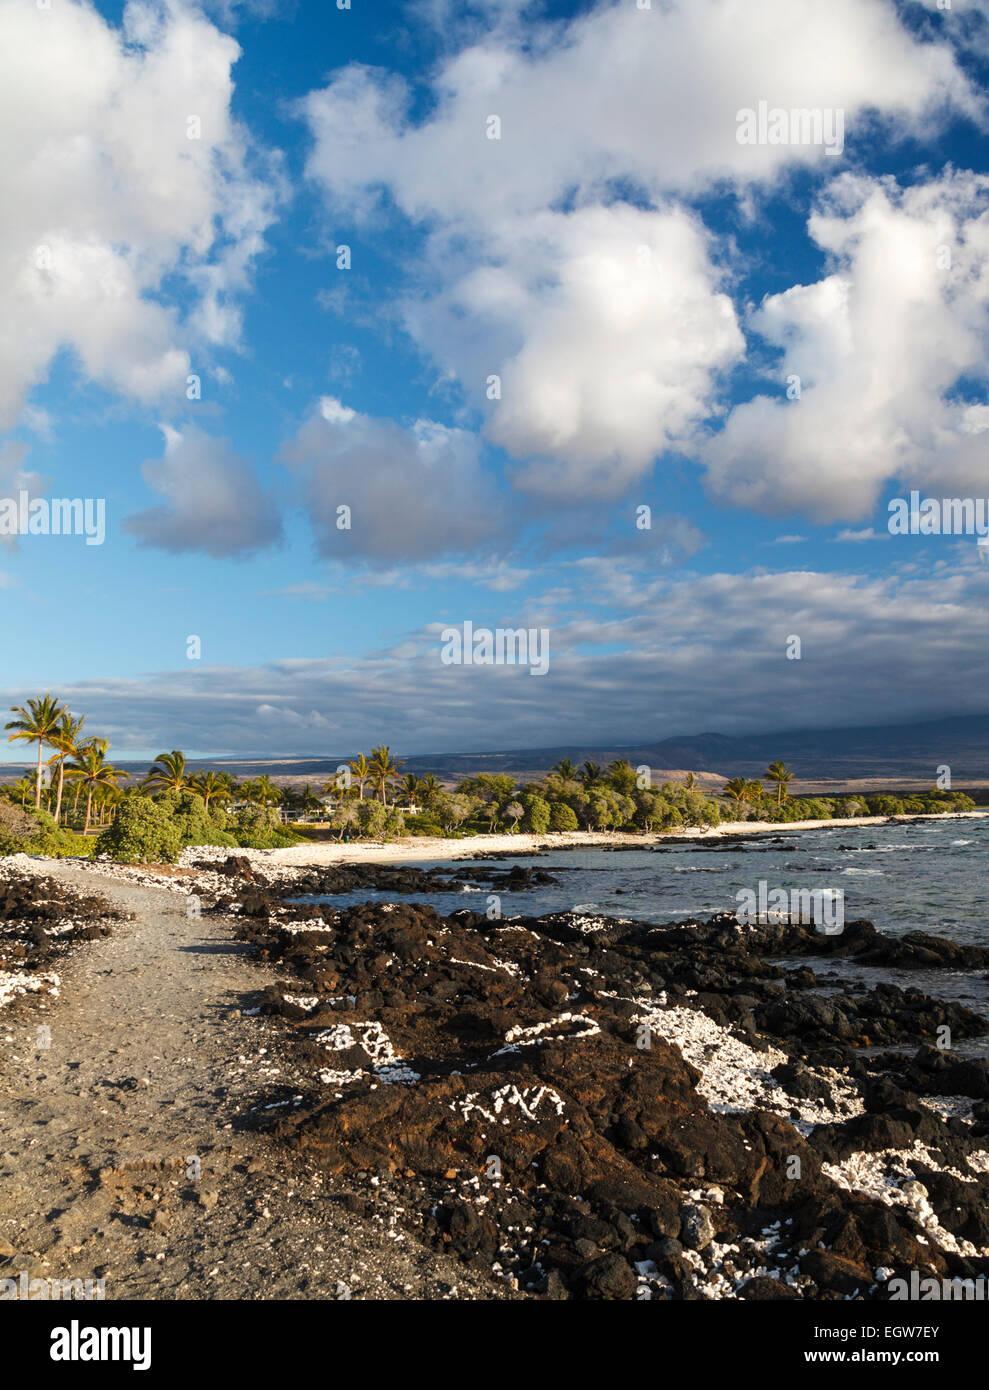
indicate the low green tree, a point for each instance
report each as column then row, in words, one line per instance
column 537, row 815
column 142, row 833
column 345, row 818
column 259, row 827
column 371, row 817
column 561, row 816
column 196, row 824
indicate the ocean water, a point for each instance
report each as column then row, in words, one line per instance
column 909, row 876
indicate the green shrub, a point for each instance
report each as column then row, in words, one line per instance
column 371, row 818
column 277, row 839
column 16, row 826
column 423, row 824
column 35, row 832
column 55, row 842
column 143, row 833
column 561, row 816
column 260, row 827
column 344, row 819
column 537, row 815
column 195, row 824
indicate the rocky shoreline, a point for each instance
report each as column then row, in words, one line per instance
column 576, row 1106
column 41, row 920
column 591, row 1107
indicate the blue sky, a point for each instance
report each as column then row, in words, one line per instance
column 642, row 284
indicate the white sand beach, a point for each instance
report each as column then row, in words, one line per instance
column 415, row 848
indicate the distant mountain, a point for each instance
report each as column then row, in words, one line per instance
column 904, row 750
column 843, row 755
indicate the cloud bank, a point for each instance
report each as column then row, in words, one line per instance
column 660, row 669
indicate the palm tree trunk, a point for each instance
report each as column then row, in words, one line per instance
column 61, row 779
column 89, row 807
column 37, row 784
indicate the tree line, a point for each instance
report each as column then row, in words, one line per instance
column 371, row 797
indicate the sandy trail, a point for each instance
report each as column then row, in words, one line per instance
column 149, row 1064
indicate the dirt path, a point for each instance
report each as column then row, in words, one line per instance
column 103, row 1133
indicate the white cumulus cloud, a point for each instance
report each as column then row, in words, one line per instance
column 888, row 348
column 607, row 328
column 620, row 93
column 532, row 264
column 105, row 195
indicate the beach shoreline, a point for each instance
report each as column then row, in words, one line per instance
column 419, row 848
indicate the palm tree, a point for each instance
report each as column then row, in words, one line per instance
column 622, row 776
column 106, row 801
column 780, row 775
column 737, row 789
column 37, row 722
column 754, row 791
column 25, row 786
column 235, row 788
column 168, row 773
column 65, row 740
column 210, row 786
column 93, row 772
column 429, row 786
column 46, row 779
column 264, row 790
column 251, row 792
column 384, row 769
column 591, row 774
column 565, row 769
column 409, row 790
column 690, row 782
column 361, row 769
